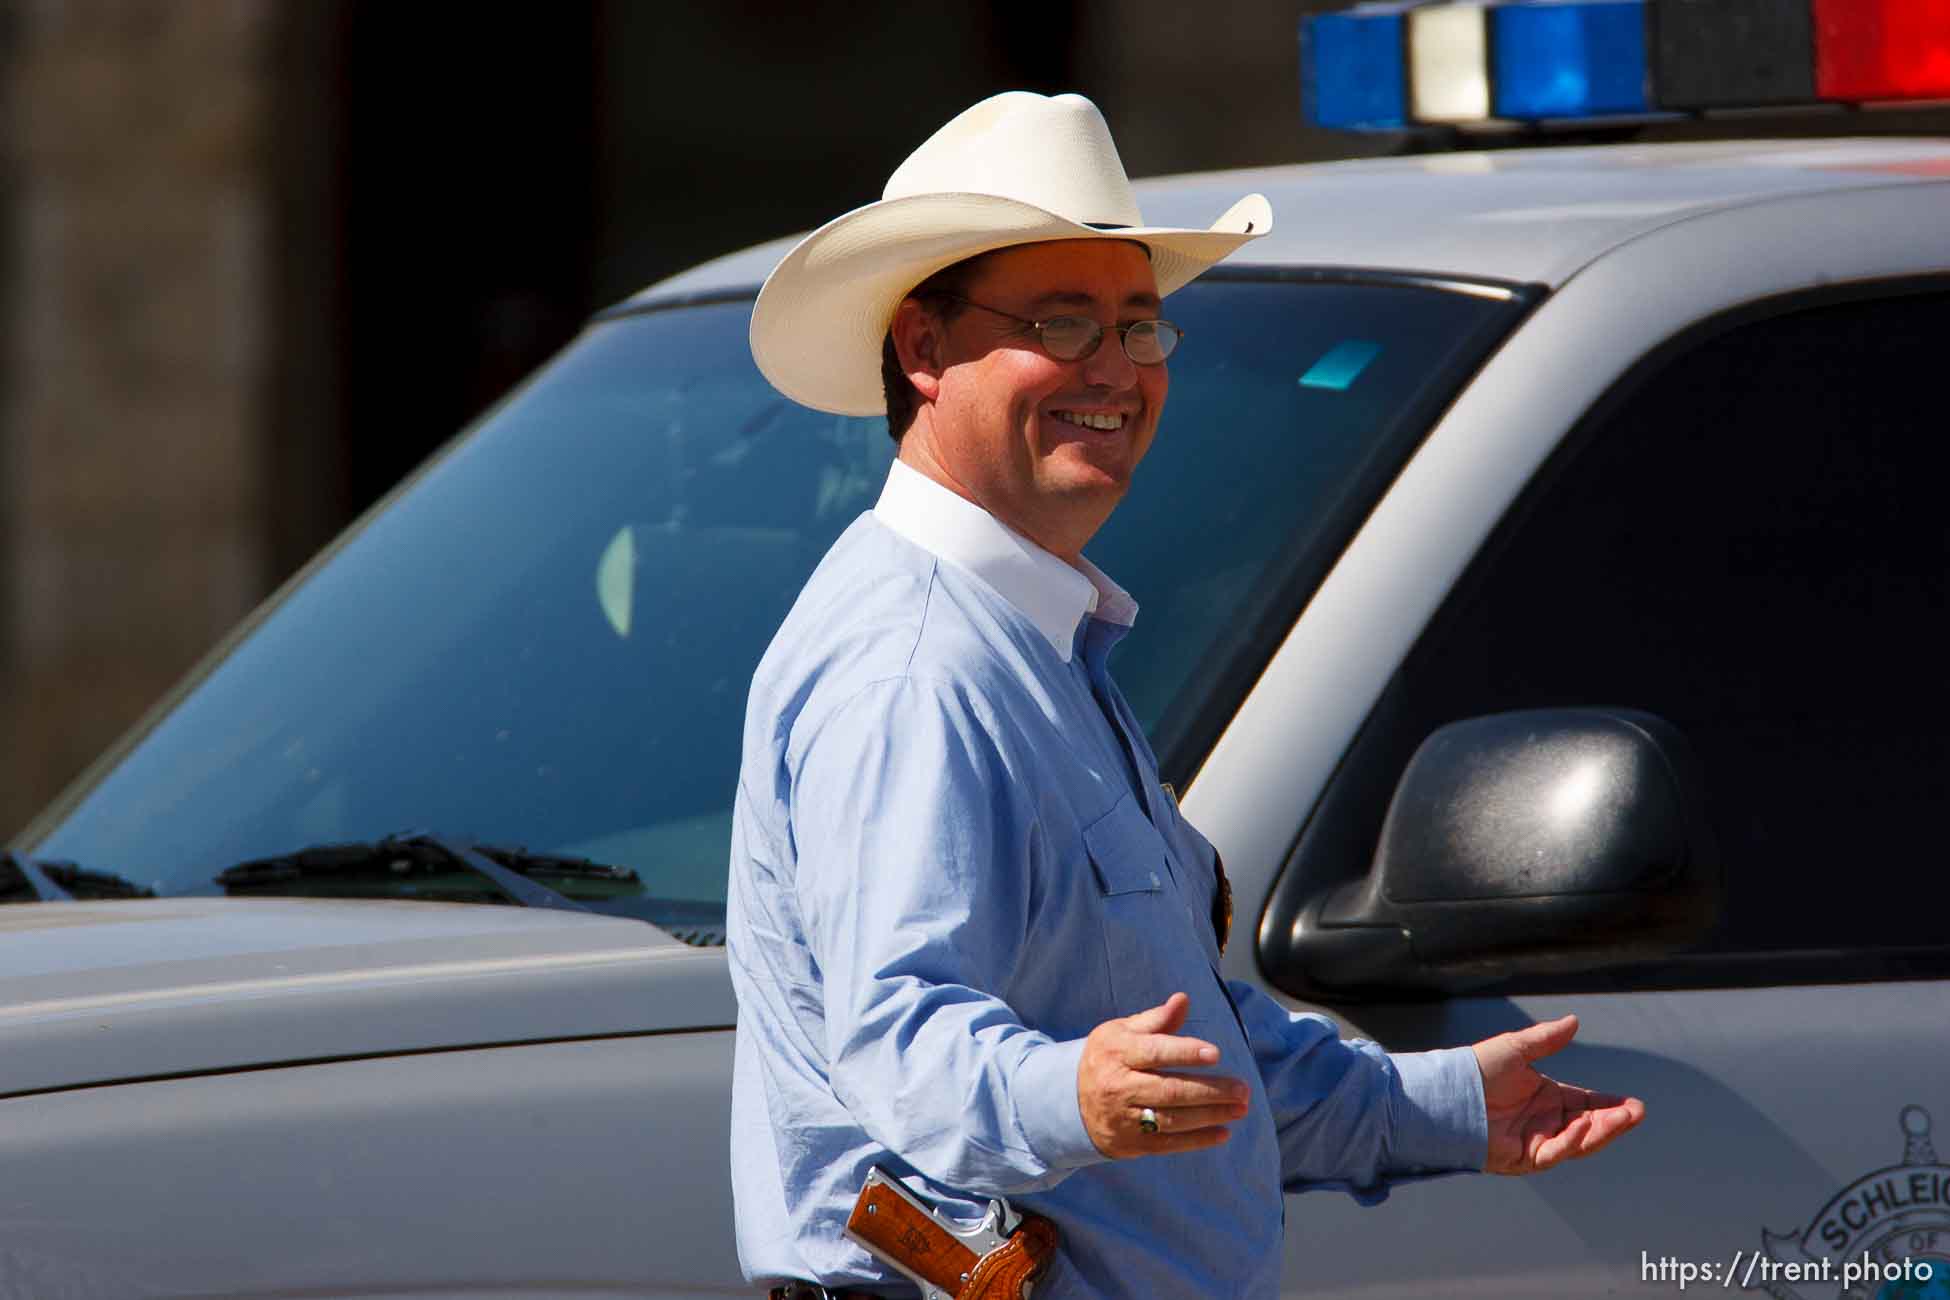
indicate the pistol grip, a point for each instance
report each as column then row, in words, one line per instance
column 892, row 1226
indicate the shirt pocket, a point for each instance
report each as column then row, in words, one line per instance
column 1149, row 954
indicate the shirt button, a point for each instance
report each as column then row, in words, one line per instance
column 1155, row 882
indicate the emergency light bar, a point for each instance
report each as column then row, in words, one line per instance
column 1501, row 64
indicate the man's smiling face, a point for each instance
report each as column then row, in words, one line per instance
column 1046, row 446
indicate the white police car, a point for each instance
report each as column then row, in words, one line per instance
column 1618, row 472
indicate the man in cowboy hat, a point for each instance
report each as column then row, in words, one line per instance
column 973, row 941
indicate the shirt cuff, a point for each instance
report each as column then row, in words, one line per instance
column 1439, row 1118
column 1045, row 1093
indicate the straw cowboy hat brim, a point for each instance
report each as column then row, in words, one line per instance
column 819, row 322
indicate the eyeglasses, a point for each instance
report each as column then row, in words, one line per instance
column 1075, row 338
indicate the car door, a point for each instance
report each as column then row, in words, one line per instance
column 1742, row 535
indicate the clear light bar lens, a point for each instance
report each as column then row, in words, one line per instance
column 1448, row 64
column 1569, row 60
column 1731, row 53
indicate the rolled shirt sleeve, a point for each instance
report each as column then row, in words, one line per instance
column 917, row 855
column 1353, row 1117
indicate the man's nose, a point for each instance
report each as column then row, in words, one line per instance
column 1109, row 367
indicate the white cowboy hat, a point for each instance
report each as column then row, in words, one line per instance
column 1017, row 168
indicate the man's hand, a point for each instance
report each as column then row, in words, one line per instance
column 1127, row 1065
column 1535, row 1121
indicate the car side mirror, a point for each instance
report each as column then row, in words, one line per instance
column 1533, row 842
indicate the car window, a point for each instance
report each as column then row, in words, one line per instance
column 1753, row 546
column 545, row 640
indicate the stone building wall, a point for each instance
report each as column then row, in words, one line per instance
column 135, row 341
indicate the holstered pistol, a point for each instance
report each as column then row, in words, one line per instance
column 998, row 1259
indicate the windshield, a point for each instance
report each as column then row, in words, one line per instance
column 545, row 639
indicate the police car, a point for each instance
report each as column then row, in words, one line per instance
column 1543, row 573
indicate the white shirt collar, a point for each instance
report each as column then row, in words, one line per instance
column 1051, row 594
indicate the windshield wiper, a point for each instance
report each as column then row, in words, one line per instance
column 61, row 882
column 395, row 860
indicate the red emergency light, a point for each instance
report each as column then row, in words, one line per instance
column 1869, row 50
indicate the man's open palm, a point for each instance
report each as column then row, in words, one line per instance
column 1535, row 1121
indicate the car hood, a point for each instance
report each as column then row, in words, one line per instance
column 95, row 993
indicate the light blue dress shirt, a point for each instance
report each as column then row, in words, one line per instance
column 946, row 869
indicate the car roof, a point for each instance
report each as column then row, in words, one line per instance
column 1519, row 215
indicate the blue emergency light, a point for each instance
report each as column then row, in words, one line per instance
column 1568, row 60
column 1351, row 75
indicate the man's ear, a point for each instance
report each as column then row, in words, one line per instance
column 919, row 347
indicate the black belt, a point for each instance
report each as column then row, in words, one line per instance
column 814, row 1291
